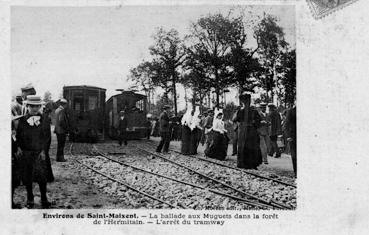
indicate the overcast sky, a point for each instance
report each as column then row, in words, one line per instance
column 56, row 46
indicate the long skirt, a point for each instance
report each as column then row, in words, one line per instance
column 194, row 140
column 50, row 175
column 186, row 140
column 251, row 157
column 33, row 167
column 218, row 146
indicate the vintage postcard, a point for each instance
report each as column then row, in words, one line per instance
column 175, row 117
column 321, row 8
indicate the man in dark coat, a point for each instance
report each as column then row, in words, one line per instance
column 275, row 129
column 249, row 154
column 291, row 135
column 16, row 106
column 235, row 131
column 208, row 125
column 61, row 129
column 123, row 124
column 263, row 132
column 164, row 130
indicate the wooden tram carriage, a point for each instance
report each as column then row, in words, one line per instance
column 135, row 106
column 86, row 105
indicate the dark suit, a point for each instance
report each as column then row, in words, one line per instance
column 164, row 132
column 61, row 130
column 292, row 134
column 123, row 123
column 275, row 130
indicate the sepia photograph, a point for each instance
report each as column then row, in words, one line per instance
column 153, row 107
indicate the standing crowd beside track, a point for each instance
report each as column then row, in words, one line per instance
column 257, row 133
column 31, row 139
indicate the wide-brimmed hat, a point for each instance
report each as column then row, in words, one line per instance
column 245, row 95
column 262, row 104
column 271, row 105
column 34, row 100
column 63, row 101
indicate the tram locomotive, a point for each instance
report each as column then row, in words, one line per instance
column 135, row 107
column 86, row 106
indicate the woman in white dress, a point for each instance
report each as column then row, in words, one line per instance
column 218, row 147
column 196, row 131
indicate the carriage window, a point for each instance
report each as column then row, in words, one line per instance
column 92, row 102
column 77, row 106
column 78, row 103
column 139, row 105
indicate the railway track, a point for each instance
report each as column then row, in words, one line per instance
column 248, row 202
column 271, row 202
column 122, row 183
column 233, row 168
column 248, row 199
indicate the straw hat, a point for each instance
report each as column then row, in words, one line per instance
column 34, row 100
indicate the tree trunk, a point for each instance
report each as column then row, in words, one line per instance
column 185, row 94
column 148, row 101
column 201, row 99
column 174, row 94
column 217, row 95
column 209, row 100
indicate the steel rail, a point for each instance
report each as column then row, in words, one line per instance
column 237, row 169
column 122, row 183
column 271, row 202
column 184, row 182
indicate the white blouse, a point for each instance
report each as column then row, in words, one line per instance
column 195, row 122
column 218, row 125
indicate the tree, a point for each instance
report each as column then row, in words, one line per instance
column 271, row 45
column 169, row 52
column 211, row 50
column 244, row 64
column 158, row 107
column 160, row 78
column 287, row 80
column 142, row 78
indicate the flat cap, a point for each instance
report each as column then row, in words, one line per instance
column 28, row 87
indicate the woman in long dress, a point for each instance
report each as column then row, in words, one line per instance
column 196, row 131
column 186, row 131
column 249, row 153
column 218, row 146
column 31, row 138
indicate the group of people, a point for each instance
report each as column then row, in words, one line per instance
column 31, row 140
column 255, row 133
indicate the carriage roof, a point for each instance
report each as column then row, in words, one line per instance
column 128, row 93
column 83, row 87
